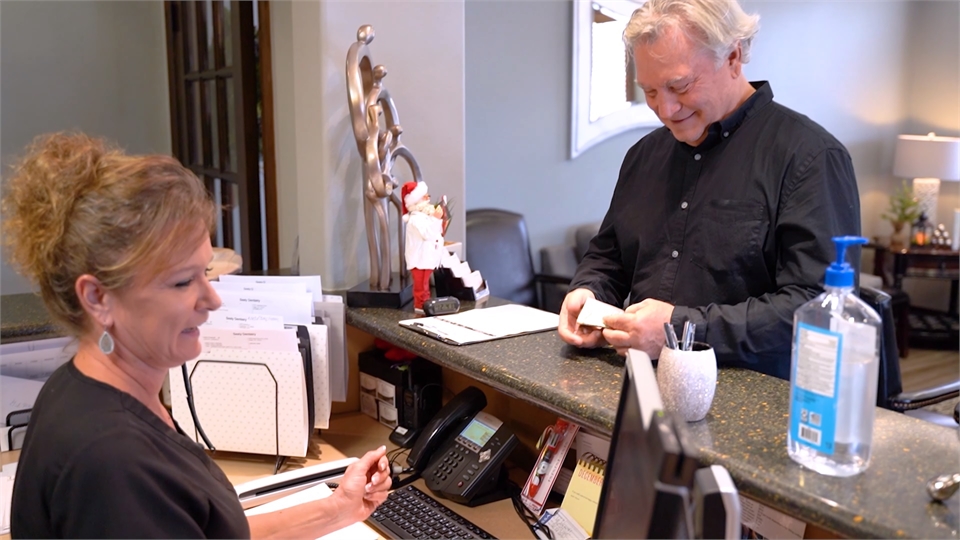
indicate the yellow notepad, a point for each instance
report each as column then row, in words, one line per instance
column 583, row 493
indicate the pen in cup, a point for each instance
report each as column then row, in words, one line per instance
column 688, row 330
column 671, row 335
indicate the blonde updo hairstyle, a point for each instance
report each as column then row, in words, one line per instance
column 74, row 205
column 718, row 26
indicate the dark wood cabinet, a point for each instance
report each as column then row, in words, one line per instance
column 926, row 327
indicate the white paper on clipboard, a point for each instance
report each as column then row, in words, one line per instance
column 484, row 324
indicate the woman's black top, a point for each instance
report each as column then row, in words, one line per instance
column 96, row 463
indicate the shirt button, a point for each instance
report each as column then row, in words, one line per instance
column 726, row 133
column 675, row 254
column 684, row 205
column 697, row 157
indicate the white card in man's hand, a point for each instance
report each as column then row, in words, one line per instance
column 594, row 311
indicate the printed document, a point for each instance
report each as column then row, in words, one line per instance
column 36, row 359
column 295, row 288
column 357, row 531
column 225, row 318
column 212, row 337
column 321, row 382
column 331, row 312
column 294, row 308
column 312, row 282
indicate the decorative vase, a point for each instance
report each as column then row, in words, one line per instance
column 899, row 239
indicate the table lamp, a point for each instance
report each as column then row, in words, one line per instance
column 927, row 159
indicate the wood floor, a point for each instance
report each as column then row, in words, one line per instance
column 924, row 368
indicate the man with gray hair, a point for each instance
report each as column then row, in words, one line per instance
column 724, row 216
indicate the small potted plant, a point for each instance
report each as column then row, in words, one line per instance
column 904, row 209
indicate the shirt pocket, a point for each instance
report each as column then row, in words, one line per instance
column 728, row 237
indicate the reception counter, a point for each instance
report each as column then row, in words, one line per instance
column 745, row 430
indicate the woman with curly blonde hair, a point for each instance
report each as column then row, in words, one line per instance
column 119, row 247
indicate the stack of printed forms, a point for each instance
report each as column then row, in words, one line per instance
column 461, row 270
column 249, row 384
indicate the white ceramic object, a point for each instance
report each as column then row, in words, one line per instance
column 688, row 380
column 225, row 261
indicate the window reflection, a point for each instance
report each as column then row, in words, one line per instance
column 609, row 64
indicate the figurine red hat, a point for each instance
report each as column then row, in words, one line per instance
column 411, row 193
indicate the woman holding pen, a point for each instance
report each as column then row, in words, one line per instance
column 119, row 247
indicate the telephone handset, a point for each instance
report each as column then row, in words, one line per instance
column 462, row 449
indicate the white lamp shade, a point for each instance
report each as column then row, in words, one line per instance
column 927, row 156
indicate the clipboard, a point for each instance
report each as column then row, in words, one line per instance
column 485, row 324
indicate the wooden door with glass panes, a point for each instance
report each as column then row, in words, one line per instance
column 211, row 61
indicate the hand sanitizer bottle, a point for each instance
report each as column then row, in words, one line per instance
column 833, row 375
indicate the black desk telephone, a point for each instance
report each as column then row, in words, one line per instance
column 461, row 451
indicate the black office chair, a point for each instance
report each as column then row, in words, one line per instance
column 498, row 245
column 890, row 394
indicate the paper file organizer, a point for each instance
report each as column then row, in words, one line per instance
column 246, row 401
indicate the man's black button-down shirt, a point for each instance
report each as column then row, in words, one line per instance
column 735, row 232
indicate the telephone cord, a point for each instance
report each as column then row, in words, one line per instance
column 526, row 515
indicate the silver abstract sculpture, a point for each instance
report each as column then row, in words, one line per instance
column 379, row 145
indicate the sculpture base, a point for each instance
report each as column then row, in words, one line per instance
column 398, row 295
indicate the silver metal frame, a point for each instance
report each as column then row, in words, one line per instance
column 583, row 132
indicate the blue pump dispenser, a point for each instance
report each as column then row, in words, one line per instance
column 833, row 374
column 840, row 273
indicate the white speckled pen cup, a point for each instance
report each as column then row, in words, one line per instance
column 688, row 380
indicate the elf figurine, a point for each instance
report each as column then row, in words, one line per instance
column 424, row 239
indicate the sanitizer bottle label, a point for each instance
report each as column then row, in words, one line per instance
column 816, row 376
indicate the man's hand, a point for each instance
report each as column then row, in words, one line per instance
column 365, row 485
column 640, row 326
column 570, row 331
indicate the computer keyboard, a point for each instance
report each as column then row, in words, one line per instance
column 409, row 513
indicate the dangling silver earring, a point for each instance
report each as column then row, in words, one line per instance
column 106, row 343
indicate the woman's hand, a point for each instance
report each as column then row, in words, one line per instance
column 363, row 488
column 365, row 485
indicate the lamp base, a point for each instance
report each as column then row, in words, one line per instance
column 926, row 191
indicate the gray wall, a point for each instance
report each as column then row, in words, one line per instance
column 865, row 70
column 318, row 164
column 99, row 67
column 518, row 121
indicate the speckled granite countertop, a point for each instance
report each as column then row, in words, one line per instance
column 745, row 430
column 24, row 317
